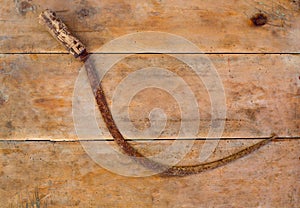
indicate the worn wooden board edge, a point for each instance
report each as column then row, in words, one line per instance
column 222, row 27
column 32, row 170
column 223, row 147
column 36, row 93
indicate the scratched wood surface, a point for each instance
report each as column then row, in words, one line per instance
column 221, row 27
column 64, row 176
column 37, row 92
column 259, row 68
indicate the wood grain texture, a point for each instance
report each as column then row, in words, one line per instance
column 66, row 177
column 222, row 27
column 262, row 95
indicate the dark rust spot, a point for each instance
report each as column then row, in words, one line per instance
column 83, row 13
column 3, row 98
column 9, row 125
column 259, row 19
column 24, row 7
column 297, row 3
column 2, row 101
column 86, row 12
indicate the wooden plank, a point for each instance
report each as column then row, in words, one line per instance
column 221, row 27
column 262, row 95
column 64, row 176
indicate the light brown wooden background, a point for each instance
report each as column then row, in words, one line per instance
column 259, row 67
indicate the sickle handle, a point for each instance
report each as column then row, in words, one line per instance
column 61, row 32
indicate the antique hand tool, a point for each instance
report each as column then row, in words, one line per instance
column 60, row 31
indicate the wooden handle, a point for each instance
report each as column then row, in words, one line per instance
column 61, row 32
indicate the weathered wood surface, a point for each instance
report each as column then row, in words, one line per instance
column 215, row 27
column 65, row 176
column 262, row 95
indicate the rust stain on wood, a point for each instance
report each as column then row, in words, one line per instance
column 51, row 103
column 3, row 98
column 23, row 7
